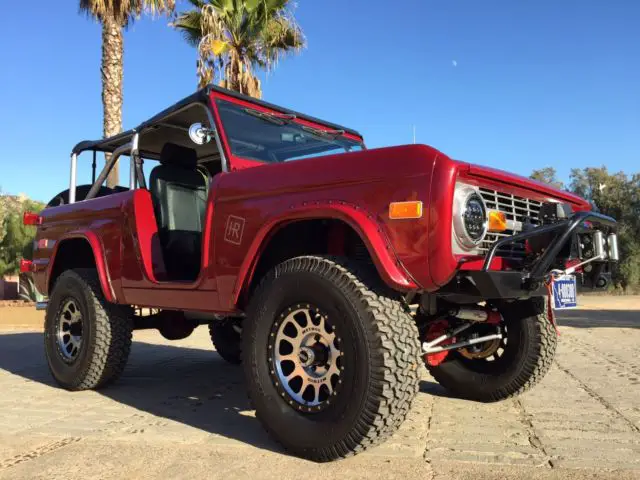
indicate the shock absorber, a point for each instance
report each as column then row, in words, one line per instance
column 476, row 315
column 443, row 341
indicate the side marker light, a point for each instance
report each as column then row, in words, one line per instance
column 404, row 210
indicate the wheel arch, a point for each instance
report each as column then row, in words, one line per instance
column 80, row 250
column 337, row 230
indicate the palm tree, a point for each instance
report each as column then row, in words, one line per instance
column 236, row 36
column 115, row 16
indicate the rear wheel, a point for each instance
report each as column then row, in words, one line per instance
column 330, row 357
column 500, row 369
column 87, row 339
column 226, row 336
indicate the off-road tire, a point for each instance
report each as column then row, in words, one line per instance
column 106, row 333
column 226, row 340
column 378, row 388
column 531, row 345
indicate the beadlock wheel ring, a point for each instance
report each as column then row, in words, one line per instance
column 305, row 358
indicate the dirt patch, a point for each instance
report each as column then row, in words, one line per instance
column 610, row 302
column 21, row 317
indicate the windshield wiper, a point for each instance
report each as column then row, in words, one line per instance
column 277, row 118
column 323, row 133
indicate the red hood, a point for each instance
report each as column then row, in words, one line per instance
column 523, row 182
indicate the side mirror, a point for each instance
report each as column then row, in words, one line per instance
column 200, row 134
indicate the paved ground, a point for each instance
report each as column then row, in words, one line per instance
column 181, row 412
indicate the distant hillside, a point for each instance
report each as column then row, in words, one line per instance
column 11, row 201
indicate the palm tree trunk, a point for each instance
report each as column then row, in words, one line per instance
column 112, row 61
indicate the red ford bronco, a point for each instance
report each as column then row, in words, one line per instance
column 331, row 272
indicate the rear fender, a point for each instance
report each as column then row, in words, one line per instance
column 362, row 222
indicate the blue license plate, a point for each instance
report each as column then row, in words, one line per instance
column 565, row 293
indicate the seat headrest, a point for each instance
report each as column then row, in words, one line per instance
column 178, row 155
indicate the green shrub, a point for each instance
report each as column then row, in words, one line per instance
column 27, row 289
column 16, row 240
column 616, row 195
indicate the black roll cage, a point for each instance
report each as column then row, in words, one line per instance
column 128, row 142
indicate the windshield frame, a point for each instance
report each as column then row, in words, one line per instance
column 238, row 162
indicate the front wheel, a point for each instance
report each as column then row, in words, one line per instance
column 330, row 357
column 501, row 369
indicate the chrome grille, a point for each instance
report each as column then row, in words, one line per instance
column 516, row 208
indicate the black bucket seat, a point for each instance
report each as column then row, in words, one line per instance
column 179, row 193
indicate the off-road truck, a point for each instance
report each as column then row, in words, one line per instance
column 332, row 272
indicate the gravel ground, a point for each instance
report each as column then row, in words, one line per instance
column 181, row 412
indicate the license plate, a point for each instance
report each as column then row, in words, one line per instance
column 565, row 293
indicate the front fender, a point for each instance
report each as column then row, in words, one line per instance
column 361, row 221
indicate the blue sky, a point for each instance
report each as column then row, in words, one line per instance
column 513, row 85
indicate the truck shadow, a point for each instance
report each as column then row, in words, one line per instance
column 435, row 389
column 175, row 384
column 599, row 318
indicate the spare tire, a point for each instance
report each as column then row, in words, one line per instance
column 81, row 193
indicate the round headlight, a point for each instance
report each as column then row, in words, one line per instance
column 469, row 218
column 474, row 217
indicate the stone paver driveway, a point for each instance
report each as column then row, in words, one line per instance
column 181, row 412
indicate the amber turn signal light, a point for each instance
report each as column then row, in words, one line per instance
column 401, row 210
column 497, row 221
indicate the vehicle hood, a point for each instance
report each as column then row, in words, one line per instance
column 513, row 179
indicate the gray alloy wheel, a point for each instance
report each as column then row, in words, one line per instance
column 69, row 330
column 306, row 357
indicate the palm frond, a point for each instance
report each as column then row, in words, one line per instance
column 281, row 37
column 190, row 25
column 157, row 7
column 124, row 11
column 282, row 33
column 254, row 33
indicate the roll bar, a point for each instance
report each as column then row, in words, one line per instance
column 136, row 177
column 130, row 148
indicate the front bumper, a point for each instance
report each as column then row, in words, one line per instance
column 489, row 284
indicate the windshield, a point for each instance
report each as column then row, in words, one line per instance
column 275, row 137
